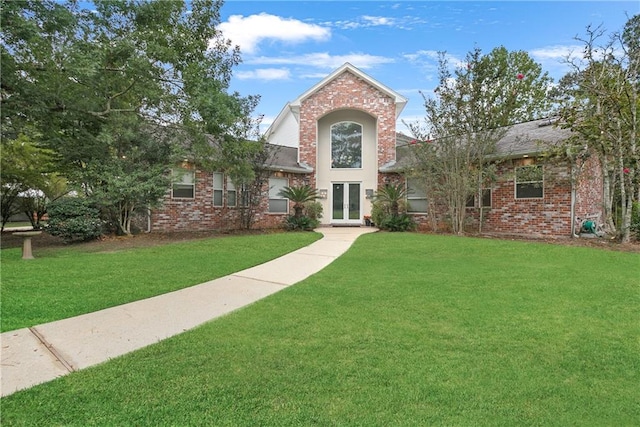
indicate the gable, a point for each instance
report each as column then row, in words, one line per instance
column 363, row 80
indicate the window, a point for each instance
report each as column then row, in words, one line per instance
column 218, row 190
column 277, row 204
column 486, row 199
column 183, row 183
column 529, row 182
column 416, row 196
column 232, row 197
column 346, row 145
column 244, row 196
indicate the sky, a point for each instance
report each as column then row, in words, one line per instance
column 289, row 46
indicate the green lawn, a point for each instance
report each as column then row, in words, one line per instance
column 402, row 330
column 61, row 283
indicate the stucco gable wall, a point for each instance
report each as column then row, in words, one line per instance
column 347, row 91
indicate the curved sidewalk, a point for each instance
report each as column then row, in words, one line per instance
column 42, row 353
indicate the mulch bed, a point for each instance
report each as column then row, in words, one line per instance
column 111, row 243
column 591, row 242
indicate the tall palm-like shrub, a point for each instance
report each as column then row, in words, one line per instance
column 392, row 195
column 299, row 196
column 387, row 206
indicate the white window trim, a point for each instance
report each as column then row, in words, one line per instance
column 361, row 146
column 515, row 183
column 192, row 184
column 413, row 197
column 220, row 189
column 231, row 188
column 277, row 197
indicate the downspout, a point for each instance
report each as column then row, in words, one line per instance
column 148, row 219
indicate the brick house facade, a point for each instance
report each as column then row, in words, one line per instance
column 340, row 137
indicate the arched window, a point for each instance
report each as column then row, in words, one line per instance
column 346, row 145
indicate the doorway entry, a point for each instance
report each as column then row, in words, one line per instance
column 345, row 203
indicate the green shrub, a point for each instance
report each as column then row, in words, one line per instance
column 313, row 210
column 301, row 223
column 74, row 219
column 379, row 212
column 402, row 222
column 382, row 217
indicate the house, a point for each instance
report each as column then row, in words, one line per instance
column 340, row 137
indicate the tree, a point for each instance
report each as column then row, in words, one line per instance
column 135, row 178
column 26, row 170
column 472, row 109
column 99, row 85
column 299, row 196
column 600, row 102
column 36, row 201
column 250, row 172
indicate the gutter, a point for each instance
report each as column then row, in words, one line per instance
column 290, row 169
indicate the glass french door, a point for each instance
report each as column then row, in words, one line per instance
column 346, row 203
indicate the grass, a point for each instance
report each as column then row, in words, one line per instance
column 404, row 329
column 67, row 282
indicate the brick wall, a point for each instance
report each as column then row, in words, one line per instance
column 199, row 214
column 348, row 91
column 589, row 188
column 546, row 216
column 549, row 216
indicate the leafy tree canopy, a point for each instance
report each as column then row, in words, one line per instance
column 473, row 106
column 599, row 101
column 123, row 89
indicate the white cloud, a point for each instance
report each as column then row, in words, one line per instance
column 427, row 61
column 430, row 57
column 554, row 58
column 379, row 20
column 324, row 60
column 363, row 22
column 265, row 74
column 248, row 32
column 367, row 21
column 558, row 53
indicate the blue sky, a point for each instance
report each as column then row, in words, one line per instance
column 289, row 46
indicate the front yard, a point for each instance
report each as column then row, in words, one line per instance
column 404, row 329
column 67, row 281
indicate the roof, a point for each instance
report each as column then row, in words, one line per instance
column 531, row 138
column 521, row 140
column 285, row 159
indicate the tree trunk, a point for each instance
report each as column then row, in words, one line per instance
column 608, row 198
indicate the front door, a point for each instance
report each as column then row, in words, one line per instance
column 346, row 203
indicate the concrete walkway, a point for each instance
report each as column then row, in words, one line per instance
column 42, row 353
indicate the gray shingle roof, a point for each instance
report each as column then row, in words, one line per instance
column 285, row 159
column 522, row 139
column 531, row 138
